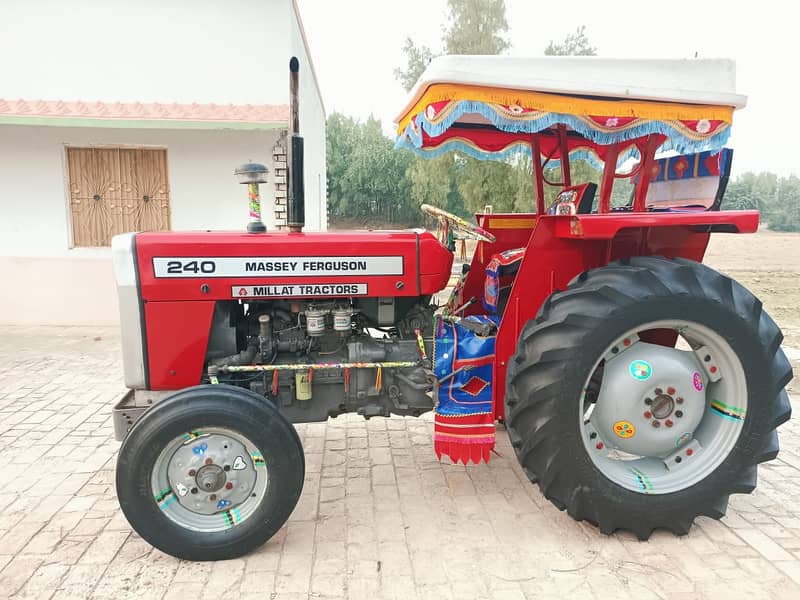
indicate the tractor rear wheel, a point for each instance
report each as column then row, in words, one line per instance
column 210, row 473
column 647, row 393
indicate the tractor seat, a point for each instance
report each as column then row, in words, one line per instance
column 576, row 199
column 502, row 264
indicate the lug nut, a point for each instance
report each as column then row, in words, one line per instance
column 679, row 400
column 599, row 445
column 713, row 369
column 212, row 497
column 614, row 350
column 658, row 391
column 689, row 452
column 194, row 490
column 648, row 401
column 679, row 413
column 656, row 423
column 648, row 414
column 668, row 423
column 592, row 435
column 209, row 461
column 227, row 467
column 671, row 391
column 229, row 486
column 627, row 342
column 678, row 459
column 192, row 472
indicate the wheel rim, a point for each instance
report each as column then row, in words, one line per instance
column 656, row 419
column 209, row 479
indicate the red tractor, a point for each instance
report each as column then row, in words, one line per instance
column 639, row 387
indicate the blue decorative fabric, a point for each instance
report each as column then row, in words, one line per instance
column 458, row 348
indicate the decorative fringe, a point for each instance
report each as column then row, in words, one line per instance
column 464, row 438
column 379, row 378
column 676, row 140
column 549, row 102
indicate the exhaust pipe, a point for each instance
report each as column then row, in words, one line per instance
column 296, row 203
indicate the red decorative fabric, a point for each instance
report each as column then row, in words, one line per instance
column 464, row 438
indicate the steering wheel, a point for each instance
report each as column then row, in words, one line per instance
column 465, row 227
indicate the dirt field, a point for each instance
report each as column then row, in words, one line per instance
column 768, row 264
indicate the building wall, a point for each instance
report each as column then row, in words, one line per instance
column 77, row 283
column 230, row 52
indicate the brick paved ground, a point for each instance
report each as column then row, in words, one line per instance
column 379, row 517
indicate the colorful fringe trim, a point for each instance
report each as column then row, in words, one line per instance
column 464, row 438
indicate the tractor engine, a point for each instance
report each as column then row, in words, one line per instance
column 330, row 332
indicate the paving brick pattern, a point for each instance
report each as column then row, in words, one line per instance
column 379, row 516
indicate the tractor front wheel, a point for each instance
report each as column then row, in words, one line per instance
column 646, row 393
column 210, row 473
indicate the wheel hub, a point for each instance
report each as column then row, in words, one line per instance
column 662, row 406
column 651, row 400
column 211, row 473
column 210, row 478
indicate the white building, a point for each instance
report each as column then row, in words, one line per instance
column 119, row 116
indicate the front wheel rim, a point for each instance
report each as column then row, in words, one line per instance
column 658, row 420
column 209, row 479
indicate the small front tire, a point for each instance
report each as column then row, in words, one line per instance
column 210, row 473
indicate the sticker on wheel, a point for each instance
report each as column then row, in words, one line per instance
column 641, row 370
column 624, row 429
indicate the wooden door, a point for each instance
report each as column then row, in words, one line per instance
column 116, row 190
column 145, row 190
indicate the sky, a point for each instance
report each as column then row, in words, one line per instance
column 356, row 45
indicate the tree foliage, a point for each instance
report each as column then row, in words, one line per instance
column 778, row 198
column 366, row 175
column 476, row 27
column 575, row 44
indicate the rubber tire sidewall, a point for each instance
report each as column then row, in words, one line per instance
column 194, row 409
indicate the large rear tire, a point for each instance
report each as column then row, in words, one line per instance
column 591, row 405
column 210, row 473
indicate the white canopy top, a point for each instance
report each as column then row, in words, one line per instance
column 690, row 81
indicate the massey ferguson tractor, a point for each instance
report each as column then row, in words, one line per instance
column 639, row 388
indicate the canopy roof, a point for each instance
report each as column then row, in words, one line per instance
column 459, row 99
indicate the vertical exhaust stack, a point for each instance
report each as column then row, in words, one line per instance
column 296, row 208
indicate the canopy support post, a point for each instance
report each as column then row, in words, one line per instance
column 607, row 182
column 566, row 177
column 538, row 174
column 648, row 157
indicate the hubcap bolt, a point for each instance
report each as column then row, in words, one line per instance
column 668, row 423
column 648, row 414
column 212, row 497
column 192, row 472
column 678, row 459
column 592, row 435
column 679, row 400
column 689, row 452
column 671, row 391
column 194, row 490
column 656, row 423
column 648, row 401
column 229, row 486
column 209, row 461
column 599, row 445
column 658, row 391
column 227, row 467
column 679, row 413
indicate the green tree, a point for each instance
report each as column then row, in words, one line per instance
column 417, row 58
column 476, row 27
column 575, row 44
column 367, row 176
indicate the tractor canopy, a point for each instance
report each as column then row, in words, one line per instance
column 604, row 111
